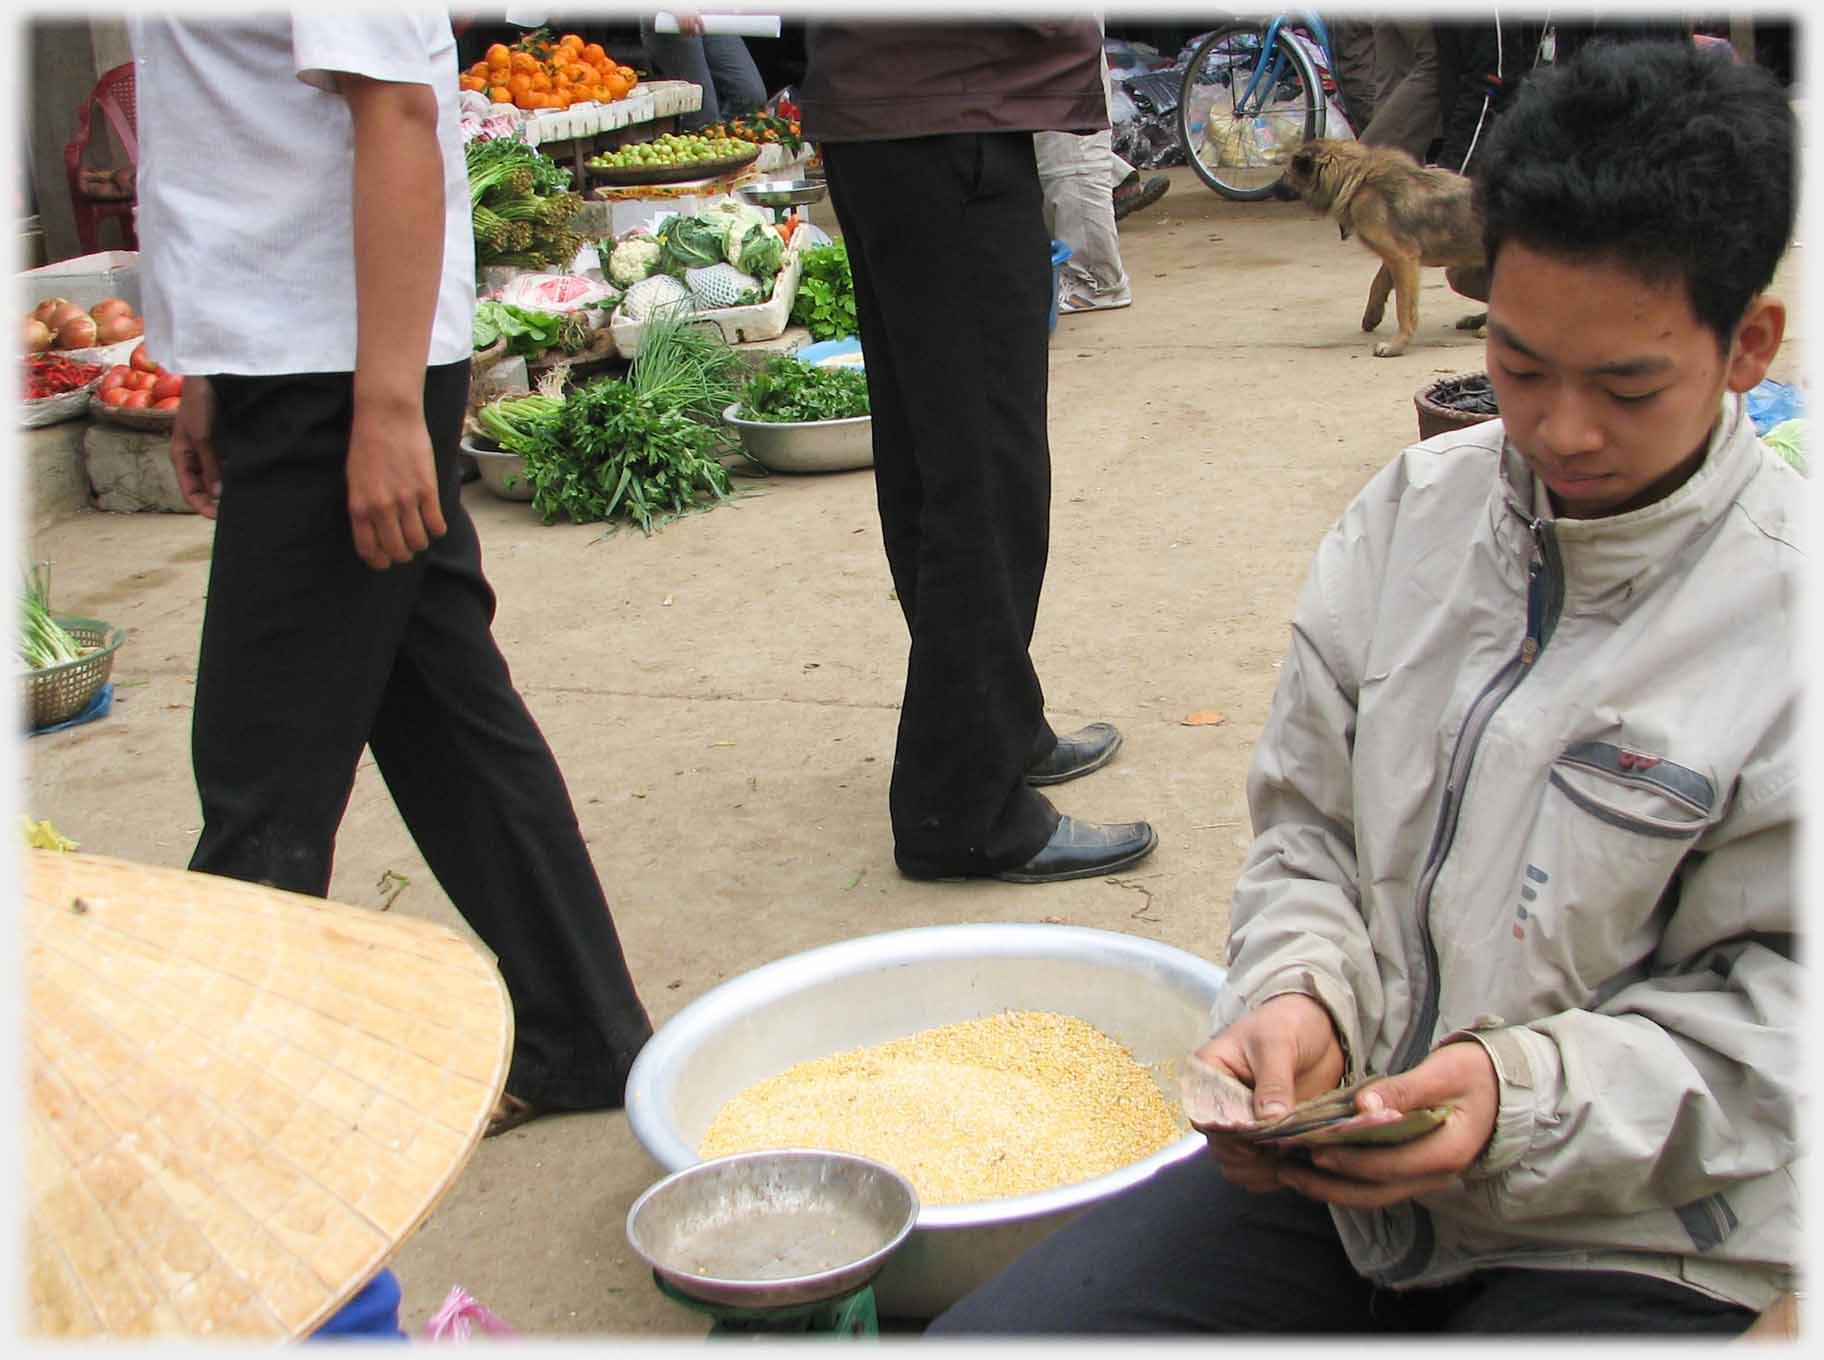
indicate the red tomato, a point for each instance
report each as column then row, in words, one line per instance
column 137, row 401
column 166, row 403
column 111, row 393
column 167, row 385
column 141, row 381
column 117, row 374
column 140, row 360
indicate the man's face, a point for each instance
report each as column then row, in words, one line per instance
column 1608, row 384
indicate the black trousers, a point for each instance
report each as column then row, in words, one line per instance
column 1186, row 1251
column 308, row 654
column 946, row 239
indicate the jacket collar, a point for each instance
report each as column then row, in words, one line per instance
column 1619, row 557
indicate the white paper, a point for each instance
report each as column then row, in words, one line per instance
column 723, row 25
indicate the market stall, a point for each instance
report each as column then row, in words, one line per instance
column 593, row 217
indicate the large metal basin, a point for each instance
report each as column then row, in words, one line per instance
column 1151, row 997
column 806, row 445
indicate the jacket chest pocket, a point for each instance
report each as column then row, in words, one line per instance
column 1643, row 794
column 1611, row 831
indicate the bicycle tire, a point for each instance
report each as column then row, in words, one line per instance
column 1237, row 165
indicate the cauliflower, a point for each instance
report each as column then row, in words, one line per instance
column 633, row 259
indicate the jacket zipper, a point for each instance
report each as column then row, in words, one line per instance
column 1544, row 603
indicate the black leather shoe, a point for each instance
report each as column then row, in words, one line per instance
column 1088, row 749
column 1084, row 850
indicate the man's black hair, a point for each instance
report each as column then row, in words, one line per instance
column 1672, row 161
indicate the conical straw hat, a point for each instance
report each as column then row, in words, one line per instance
column 240, row 1101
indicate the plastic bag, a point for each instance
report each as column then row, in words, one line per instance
column 460, row 1315
column 1150, row 137
column 1788, row 440
column 557, row 293
column 1771, row 403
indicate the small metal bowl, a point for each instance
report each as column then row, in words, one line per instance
column 806, row 445
column 783, row 193
column 502, row 473
column 773, row 1229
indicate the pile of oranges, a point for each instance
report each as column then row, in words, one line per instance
column 541, row 75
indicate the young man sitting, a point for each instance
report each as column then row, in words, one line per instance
column 1526, row 803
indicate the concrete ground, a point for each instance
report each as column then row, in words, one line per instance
column 722, row 696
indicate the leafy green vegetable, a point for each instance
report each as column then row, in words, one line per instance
column 759, row 251
column 521, row 205
column 788, row 390
column 42, row 640
column 686, row 366
column 529, row 334
column 615, row 450
column 826, row 293
column 522, row 424
column 689, row 242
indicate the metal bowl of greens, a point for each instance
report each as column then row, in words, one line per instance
column 502, row 473
column 798, row 417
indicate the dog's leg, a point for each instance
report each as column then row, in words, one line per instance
column 1472, row 282
column 1377, row 299
column 1405, row 272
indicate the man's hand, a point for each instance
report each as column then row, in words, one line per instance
column 199, row 471
column 1458, row 1074
column 1286, row 1050
column 392, row 485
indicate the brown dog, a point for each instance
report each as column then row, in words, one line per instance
column 1408, row 214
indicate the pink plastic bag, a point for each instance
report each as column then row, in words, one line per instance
column 460, row 1316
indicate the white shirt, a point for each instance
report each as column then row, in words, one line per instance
column 246, row 185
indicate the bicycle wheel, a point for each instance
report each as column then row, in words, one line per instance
column 1244, row 106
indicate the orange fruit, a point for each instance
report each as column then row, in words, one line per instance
column 497, row 54
column 500, row 94
column 570, row 40
column 524, row 61
column 541, row 82
column 519, row 82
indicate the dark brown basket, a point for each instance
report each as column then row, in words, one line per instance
column 1435, row 418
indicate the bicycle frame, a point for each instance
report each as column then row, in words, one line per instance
column 1265, row 78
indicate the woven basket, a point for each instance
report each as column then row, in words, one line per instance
column 58, row 693
column 1436, row 418
column 134, row 418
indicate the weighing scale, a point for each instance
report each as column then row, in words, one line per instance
column 784, row 1241
column 781, row 194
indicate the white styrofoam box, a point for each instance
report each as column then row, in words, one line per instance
column 87, row 279
column 635, row 108
column 672, row 97
column 779, row 162
column 739, row 325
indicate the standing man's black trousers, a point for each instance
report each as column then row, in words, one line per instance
column 308, row 655
column 946, row 239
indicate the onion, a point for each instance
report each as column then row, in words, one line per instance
column 37, row 336
column 42, row 312
column 111, row 330
column 68, row 312
column 108, row 307
column 76, row 333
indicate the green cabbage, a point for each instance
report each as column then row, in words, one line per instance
column 757, row 249
column 693, row 242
